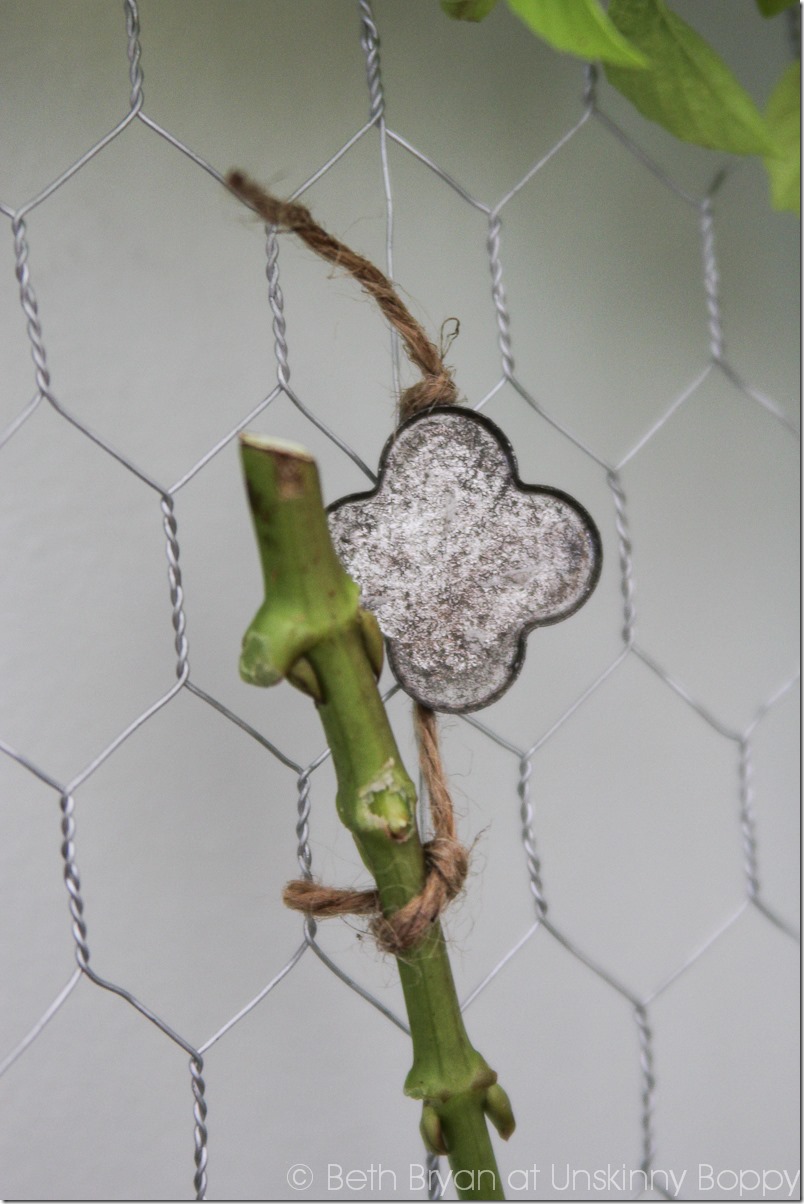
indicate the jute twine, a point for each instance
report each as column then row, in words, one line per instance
column 436, row 386
column 446, row 859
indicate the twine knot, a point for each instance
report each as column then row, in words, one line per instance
column 447, row 866
column 446, row 859
column 437, row 389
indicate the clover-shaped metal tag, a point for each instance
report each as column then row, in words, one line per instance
column 458, row 559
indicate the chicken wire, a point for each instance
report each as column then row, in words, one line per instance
column 514, row 739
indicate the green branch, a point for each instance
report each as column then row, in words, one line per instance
column 311, row 630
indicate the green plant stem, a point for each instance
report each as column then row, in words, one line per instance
column 311, row 630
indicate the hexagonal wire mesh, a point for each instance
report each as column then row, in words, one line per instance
column 631, row 912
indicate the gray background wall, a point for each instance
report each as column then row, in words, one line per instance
column 153, row 302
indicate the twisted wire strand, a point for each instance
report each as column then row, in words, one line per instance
column 646, row 1063
column 625, row 549
column 79, row 930
column 79, row 927
column 498, row 295
column 73, row 882
column 528, row 839
column 711, row 279
column 38, row 354
column 200, row 1134
column 277, row 303
column 176, row 591
column 30, row 307
column 748, row 831
column 370, row 42
column 304, row 854
column 137, row 97
column 279, row 327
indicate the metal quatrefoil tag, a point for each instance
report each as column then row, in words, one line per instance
column 458, row 559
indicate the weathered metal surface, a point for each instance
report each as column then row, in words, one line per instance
column 458, row 559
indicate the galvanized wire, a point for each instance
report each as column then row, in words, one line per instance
column 521, row 788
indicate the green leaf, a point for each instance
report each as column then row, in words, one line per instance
column 770, row 8
column 783, row 116
column 578, row 27
column 468, row 10
column 689, row 90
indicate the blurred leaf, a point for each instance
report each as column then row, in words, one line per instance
column 783, row 116
column 468, row 10
column 689, row 90
column 769, row 8
column 578, row 27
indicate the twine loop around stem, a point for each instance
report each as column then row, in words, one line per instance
column 446, row 859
